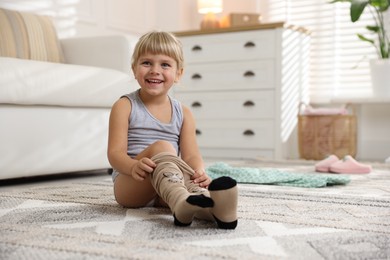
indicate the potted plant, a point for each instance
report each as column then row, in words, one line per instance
column 380, row 68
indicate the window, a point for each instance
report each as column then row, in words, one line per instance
column 339, row 61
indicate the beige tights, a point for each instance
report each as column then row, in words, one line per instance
column 172, row 182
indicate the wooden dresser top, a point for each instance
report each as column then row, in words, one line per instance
column 261, row 26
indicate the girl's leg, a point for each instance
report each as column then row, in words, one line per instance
column 133, row 194
column 169, row 182
column 223, row 192
column 172, row 181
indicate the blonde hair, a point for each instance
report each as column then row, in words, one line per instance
column 157, row 42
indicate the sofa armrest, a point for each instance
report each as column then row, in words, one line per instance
column 112, row 52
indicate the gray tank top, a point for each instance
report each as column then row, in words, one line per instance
column 145, row 129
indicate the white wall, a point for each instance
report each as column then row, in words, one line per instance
column 374, row 131
column 135, row 17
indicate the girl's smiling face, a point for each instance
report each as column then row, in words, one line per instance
column 156, row 73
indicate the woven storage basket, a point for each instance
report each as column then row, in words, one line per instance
column 322, row 135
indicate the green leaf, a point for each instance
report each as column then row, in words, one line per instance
column 361, row 37
column 382, row 5
column 357, row 8
column 374, row 28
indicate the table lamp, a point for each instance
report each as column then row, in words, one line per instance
column 209, row 8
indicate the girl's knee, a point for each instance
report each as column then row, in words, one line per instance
column 131, row 194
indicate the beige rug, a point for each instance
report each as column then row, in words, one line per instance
column 80, row 220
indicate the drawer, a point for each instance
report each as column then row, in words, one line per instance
column 229, row 46
column 250, row 134
column 228, row 76
column 230, row 105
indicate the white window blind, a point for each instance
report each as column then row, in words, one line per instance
column 339, row 61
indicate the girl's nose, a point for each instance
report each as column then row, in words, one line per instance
column 155, row 69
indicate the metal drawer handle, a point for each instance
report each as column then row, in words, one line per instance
column 196, row 48
column 196, row 104
column 198, row 132
column 249, row 45
column 249, row 74
column 248, row 132
column 249, row 103
column 196, row 76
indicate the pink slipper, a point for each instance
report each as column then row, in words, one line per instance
column 349, row 165
column 323, row 166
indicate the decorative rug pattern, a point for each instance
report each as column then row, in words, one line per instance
column 81, row 220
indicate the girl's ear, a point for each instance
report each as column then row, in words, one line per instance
column 134, row 72
column 179, row 74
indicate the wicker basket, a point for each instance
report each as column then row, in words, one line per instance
column 322, row 135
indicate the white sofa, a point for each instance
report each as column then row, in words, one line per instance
column 54, row 116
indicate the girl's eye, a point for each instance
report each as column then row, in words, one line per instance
column 146, row 63
column 165, row 65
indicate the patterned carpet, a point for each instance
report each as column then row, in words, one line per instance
column 80, row 220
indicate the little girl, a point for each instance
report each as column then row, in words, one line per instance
column 152, row 143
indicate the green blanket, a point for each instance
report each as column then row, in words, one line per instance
column 275, row 177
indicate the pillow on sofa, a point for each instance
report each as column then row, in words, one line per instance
column 28, row 36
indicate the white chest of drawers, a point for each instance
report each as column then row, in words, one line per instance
column 244, row 87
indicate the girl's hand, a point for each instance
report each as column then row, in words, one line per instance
column 142, row 168
column 200, row 177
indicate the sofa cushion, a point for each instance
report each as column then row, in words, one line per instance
column 28, row 36
column 29, row 82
